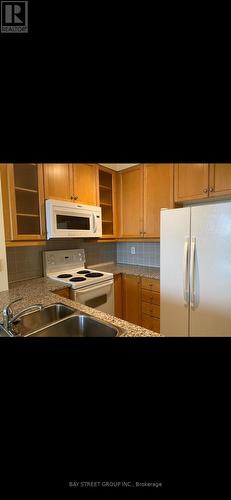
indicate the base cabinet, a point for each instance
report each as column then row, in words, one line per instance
column 137, row 300
column 131, row 299
column 63, row 292
column 150, row 297
column 118, row 302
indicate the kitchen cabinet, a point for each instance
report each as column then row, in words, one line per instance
column 63, row 292
column 107, row 201
column 118, row 302
column 137, row 300
column 158, row 193
column 220, row 179
column 150, row 297
column 58, row 181
column 85, row 183
column 23, row 201
column 191, row 181
column 202, row 181
column 131, row 299
column 131, row 203
column 71, row 182
column 144, row 190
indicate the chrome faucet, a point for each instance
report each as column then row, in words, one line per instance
column 9, row 318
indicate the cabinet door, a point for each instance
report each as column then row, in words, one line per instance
column 220, row 179
column 107, row 201
column 191, row 181
column 118, row 296
column 85, row 183
column 5, row 201
column 131, row 299
column 131, row 203
column 158, row 193
column 26, row 200
column 58, row 181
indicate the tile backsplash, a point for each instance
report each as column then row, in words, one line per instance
column 146, row 254
column 26, row 262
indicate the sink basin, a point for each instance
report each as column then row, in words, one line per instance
column 77, row 326
column 38, row 319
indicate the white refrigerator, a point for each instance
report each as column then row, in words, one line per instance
column 3, row 264
column 195, row 271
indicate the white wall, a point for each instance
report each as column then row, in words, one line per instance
column 118, row 166
column 3, row 265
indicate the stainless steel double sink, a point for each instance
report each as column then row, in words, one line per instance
column 59, row 320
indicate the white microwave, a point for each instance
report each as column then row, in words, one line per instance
column 70, row 220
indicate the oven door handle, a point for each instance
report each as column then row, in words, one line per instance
column 94, row 287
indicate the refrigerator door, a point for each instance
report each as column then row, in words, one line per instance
column 174, row 272
column 210, row 273
column 3, row 265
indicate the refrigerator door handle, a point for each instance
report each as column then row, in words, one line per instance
column 192, row 272
column 186, row 271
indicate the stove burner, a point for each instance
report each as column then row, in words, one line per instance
column 64, row 276
column 83, row 272
column 94, row 275
column 78, row 279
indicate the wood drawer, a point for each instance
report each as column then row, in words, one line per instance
column 63, row 292
column 151, row 323
column 151, row 309
column 150, row 297
column 150, row 284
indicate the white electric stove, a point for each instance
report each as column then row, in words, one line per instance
column 88, row 286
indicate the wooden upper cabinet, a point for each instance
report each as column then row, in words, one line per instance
column 131, row 299
column 25, row 207
column 131, row 202
column 191, row 181
column 107, row 201
column 57, row 181
column 85, row 183
column 220, row 179
column 71, row 182
column 158, row 193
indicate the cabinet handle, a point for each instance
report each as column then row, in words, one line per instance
column 211, row 189
column 141, row 232
column 75, row 197
column 72, row 197
column 205, row 190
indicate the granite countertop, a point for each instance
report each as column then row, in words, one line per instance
column 145, row 271
column 39, row 290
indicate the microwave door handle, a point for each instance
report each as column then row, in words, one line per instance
column 94, row 223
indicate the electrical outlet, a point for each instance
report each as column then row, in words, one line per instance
column 133, row 250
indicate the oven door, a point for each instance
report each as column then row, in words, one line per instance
column 99, row 296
